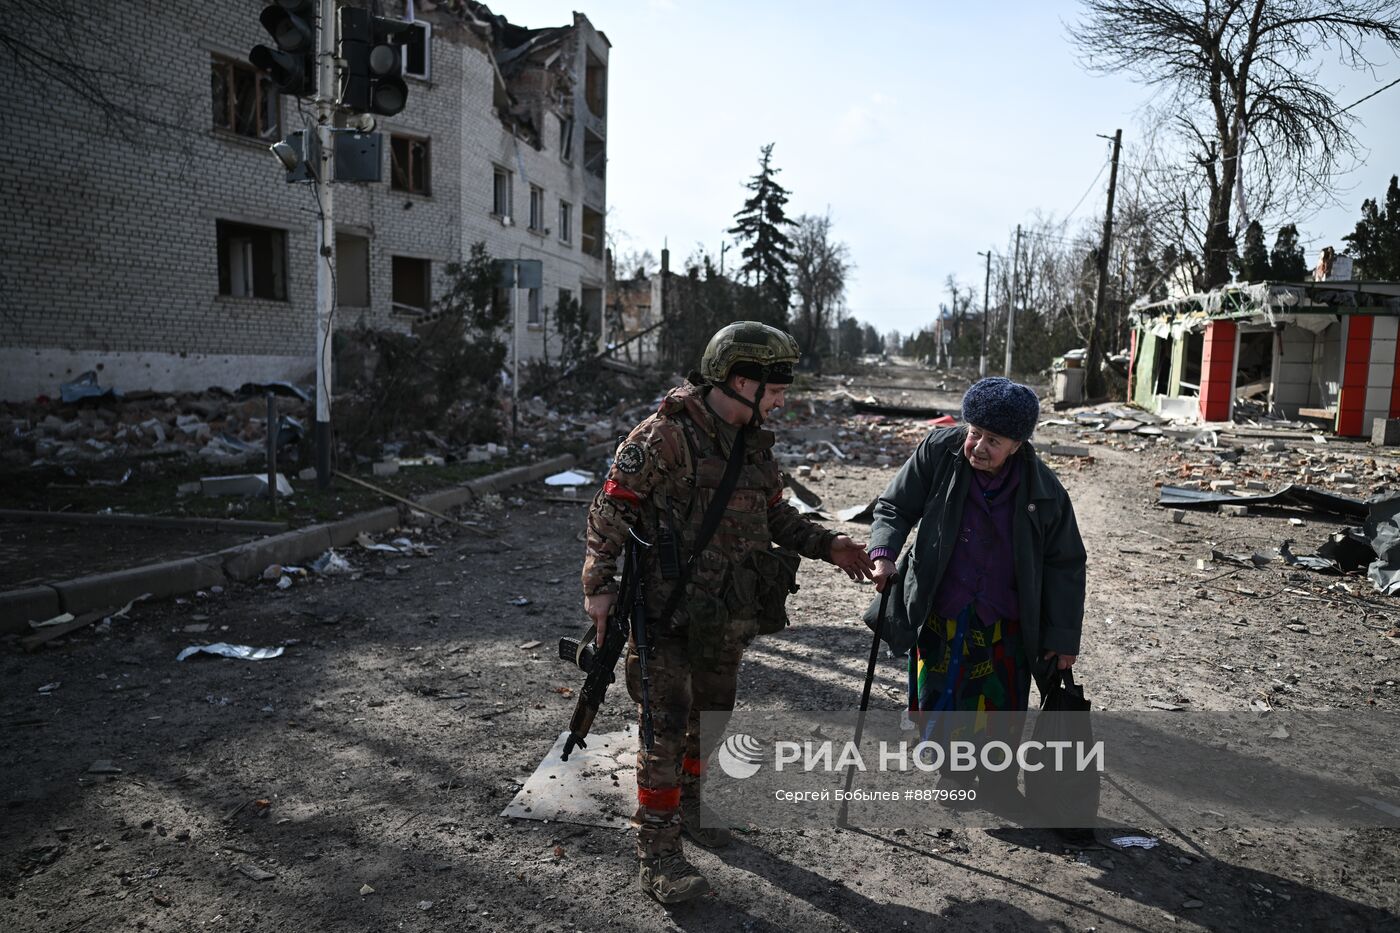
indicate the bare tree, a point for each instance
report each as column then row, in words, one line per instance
column 820, row 266
column 1242, row 93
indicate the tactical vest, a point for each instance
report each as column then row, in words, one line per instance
column 740, row 575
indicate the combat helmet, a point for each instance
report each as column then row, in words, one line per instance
column 753, row 350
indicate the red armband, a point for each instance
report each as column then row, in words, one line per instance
column 618, row 491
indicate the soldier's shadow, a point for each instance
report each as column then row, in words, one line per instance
column 844, row 902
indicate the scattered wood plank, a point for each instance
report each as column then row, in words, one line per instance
column 49, row 632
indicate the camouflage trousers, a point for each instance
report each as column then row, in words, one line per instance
column 676, row 763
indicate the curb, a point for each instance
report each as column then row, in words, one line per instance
column 247, row 561
column 143, row 521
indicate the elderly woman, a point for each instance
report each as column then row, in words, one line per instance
column 992, row 592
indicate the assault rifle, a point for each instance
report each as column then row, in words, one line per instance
column 628, row 617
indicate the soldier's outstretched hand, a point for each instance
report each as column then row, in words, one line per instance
column 850, row 556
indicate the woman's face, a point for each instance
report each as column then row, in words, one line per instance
column 987, row 451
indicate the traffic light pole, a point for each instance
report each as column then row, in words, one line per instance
column 325, row 237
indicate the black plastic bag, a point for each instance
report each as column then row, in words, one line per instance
column 1067, row 796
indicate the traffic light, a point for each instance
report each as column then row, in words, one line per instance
column 371, row 47
column 292, row 64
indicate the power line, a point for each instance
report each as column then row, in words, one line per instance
column 1086, row 191
column 1370, row 95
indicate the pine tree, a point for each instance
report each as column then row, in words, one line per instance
column 1254, row 264
column 1287, row 263
column 1375, row 243
column 767, row 252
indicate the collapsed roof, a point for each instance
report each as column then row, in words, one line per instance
column 1270, row 303
column 535, row 69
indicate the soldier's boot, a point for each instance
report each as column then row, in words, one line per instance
column 671, row 879
column 665, row 874
column 694, row 814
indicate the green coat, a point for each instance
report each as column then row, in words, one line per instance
column 930, row 490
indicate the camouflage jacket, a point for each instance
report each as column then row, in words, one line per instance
column 667, row 471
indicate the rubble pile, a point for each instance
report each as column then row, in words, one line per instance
column 815, row 431
column 541, row 423
column 214, row 426
column 1243, row 459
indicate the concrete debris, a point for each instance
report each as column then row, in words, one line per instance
column 97, row 423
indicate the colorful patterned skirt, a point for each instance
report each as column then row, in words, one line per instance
column 960, row 665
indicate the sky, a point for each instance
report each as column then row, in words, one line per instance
column 928, row 129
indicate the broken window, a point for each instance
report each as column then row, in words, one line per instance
column 1191, row 362
column 1254, row 370
column 412, row 288
column 417, row 48
column 595, row 85
column 593, row 310
column 592, row 232
column 408, row 156
column 537, row 208
column 501, row 196
column 595, row 153
column 1163, row 364
column 566, row 139
column 244, row 101
column 351, row 271
column 566, row 222
column 532, row 298
column 252, row 261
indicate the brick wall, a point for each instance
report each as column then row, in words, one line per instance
column 109, row 256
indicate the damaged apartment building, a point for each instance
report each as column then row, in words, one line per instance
column 159, row 244
column 1325, row 350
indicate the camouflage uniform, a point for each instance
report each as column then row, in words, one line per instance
column 668, row 469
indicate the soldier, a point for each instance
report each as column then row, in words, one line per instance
column 663, row 480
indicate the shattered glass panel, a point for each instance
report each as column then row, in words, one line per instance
column 245, row 102
column 219, row 94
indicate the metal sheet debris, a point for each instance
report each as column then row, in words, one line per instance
column 1293, row 495
column 861, row 514
column 597, row 786
column 247, row 484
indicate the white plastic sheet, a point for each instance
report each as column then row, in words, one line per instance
column 225, row 650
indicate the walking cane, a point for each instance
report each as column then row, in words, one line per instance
column 865, row 696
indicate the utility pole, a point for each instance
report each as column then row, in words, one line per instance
column 1093, row 379
column 325, row 238
column 1011, row 306
column 986, row 315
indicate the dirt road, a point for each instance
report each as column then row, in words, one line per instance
column 355, row 782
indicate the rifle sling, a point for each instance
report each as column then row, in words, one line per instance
column 708, row 523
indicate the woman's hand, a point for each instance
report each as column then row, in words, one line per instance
column 851, row 557
column 1065, row 661
column 884, row 570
